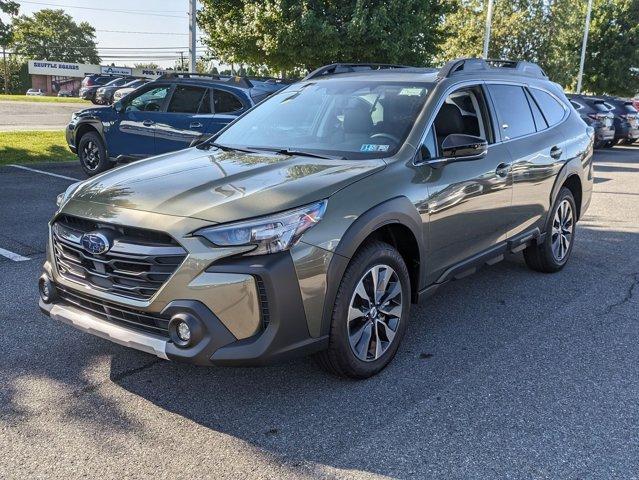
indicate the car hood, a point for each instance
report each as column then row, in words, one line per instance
column 222, row 186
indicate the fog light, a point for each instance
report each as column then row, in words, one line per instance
column 183, row 331
column 47, row 289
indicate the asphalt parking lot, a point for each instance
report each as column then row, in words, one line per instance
column 18, row 115
column 504, row 374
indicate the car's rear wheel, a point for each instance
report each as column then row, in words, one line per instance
column 553, row 254
column 370, row 313
column 609, row 144
column 92, row 154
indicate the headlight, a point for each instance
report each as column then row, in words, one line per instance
column 63, row 197
column 271, row 234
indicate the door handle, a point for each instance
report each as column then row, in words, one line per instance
column 555, row 152
column 502, row 169
column 148, row 123
column 195, row 125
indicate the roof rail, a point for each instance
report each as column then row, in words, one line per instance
column 336, row 68
column 239, row 81
column 468, row 64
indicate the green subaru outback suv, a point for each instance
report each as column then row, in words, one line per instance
column 312, row 223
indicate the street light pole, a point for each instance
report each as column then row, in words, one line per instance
column 192, row 33
column 489, row 21
column 583, row 47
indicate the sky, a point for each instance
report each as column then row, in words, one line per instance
column 165, row 23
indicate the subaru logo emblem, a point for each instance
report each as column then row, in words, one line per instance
column 95, row 243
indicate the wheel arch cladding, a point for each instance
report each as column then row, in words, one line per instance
column 573, row 183
column 85, row 128
column 396, row 222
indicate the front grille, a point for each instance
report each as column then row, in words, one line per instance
column 136, row 266
column 117, row 314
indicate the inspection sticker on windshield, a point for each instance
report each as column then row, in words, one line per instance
column 371, row 147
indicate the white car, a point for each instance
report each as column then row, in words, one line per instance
column 36, row 92
column 120, row 93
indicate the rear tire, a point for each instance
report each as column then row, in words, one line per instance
column 552, row 255
column 92, row 154
column 368, row 324
column 609, row 144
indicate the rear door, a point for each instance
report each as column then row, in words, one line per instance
column 530, row 126
column 186, row 118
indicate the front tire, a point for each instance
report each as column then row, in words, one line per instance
column 552, row 255
column 370, row 313
column 92, row 154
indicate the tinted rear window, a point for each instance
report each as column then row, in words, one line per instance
column 552, row 110
column 225, row 102
column 515, row 117
column 629, row 108
column 186, row 99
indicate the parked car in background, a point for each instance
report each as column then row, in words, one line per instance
column 626, row 119
column 122, row 92
column 314, row 221
column 167, row 114
column 594, row 112
column 635, row 102
column 91, row 83
column 65, row 93
column 36, row 92
column 106, row 95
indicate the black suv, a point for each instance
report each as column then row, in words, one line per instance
column 167, row 114
column 626, row 119
column 595, row 113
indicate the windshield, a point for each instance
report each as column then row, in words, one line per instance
column 344, row 118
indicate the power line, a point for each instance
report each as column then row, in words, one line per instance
column 111, row 10
column 142, row 33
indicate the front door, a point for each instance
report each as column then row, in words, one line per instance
column 132, row 133
column 468, row 201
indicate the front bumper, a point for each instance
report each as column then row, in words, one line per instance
column 248, row 310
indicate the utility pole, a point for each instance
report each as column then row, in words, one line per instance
column 192, row 33
column 489, row 21
column 6, row 70
column 181, row 60
column 583, row 48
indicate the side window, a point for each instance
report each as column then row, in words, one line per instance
column 515, row 117
column 148, row 100
column 553, row 110
column 463, row 112
column 540, row 121
column 205, row 103
column 225, row 102
column 186, row 99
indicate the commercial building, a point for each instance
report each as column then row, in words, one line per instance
column 54, row 77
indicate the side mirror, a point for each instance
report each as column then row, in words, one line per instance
column 118, row 107
column 457, row 147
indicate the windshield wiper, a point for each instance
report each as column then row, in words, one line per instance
column 301, row 153
column 225, row 148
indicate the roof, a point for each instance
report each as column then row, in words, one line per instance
column 476, row 67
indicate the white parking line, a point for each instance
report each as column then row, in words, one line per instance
column 13, row 256
column 44, row 173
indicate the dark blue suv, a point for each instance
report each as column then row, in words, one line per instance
column 168, row 114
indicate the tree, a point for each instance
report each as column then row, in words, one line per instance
column 10, row 8
column 294, row 35
column 612, row 50
column 550, row 33
column 53, row 35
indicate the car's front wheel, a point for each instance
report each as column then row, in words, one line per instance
column 92, row 154
column 370, row 313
